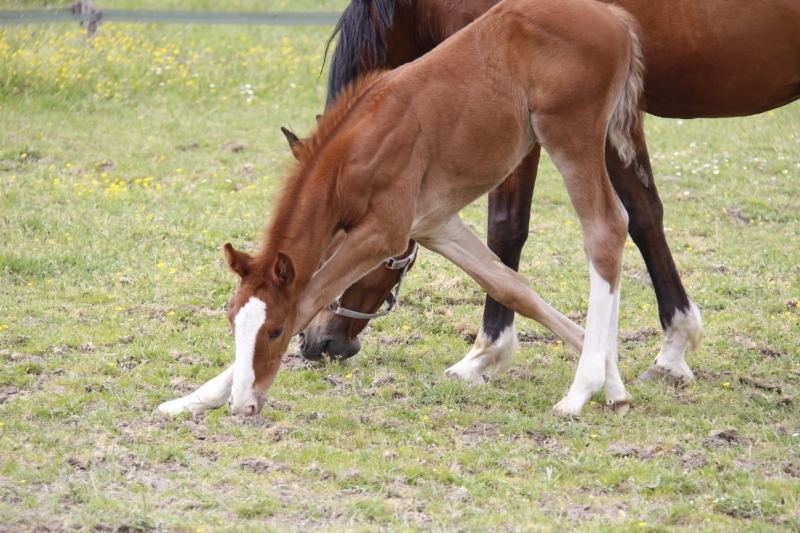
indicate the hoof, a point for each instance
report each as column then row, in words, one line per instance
column 565, row 410
column 621, row 407
column 171, row 408
column 659, row 373
column 472, row 378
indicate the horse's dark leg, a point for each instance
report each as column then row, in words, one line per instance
column 509, row 215
column 680, row 316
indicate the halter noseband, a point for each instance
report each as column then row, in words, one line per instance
column 336, row 308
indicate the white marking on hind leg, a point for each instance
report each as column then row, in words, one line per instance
column 212, row 395
column 486, row 358
column 616, row 395
column 685, row 329
column 591, row 374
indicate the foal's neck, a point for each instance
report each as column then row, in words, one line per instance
column 303, row 227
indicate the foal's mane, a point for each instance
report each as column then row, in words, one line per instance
column 334, row 115
column 295, row 187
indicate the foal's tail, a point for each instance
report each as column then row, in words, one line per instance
column 626, row 120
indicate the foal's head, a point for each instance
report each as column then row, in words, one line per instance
column 262, row 314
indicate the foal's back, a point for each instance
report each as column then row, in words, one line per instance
column 475, row 106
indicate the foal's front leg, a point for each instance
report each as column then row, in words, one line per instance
column 212, row 395
column 454, row 241
column 509, row 216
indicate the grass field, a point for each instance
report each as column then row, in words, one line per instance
column 124, row 167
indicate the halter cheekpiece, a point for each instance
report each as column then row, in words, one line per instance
column 336, row 308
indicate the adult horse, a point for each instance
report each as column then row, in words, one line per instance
column 705, row 58
column 401, row 152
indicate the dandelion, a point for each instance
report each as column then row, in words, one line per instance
column 112, row 364
column 349, row 376
column 593, row 436
column 726, row 384
column 171, row 313
column 501, row 435
column 405, row 328
column 160, row 265
column 119, row 308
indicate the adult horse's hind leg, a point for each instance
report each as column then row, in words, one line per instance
column 509, row 216
column 680, row 316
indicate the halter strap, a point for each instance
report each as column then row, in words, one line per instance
column 336, row 308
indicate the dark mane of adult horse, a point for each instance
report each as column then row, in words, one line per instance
column 362, row 31
column 708, row 58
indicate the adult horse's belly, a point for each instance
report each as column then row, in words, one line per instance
column 718, row 58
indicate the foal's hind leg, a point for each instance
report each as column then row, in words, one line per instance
column 680, row 316
column 603, row 222
column 509, row 215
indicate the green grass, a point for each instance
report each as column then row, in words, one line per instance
column 116, row 194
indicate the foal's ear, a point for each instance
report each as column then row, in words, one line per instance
column 284, row 269
column 237, row 261
column 295, row 144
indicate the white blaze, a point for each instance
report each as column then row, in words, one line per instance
column 247, row 324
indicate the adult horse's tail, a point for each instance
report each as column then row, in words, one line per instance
column 626, row 120
column 362, row 31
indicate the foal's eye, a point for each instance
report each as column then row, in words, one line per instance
column 275, row 334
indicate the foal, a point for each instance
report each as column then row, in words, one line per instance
column 400, row 153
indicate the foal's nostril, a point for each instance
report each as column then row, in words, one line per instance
column 301, row 340
column 249, row 409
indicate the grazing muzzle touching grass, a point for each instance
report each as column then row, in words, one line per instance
column 323, row 338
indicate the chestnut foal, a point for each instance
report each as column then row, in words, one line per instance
column 400, row 153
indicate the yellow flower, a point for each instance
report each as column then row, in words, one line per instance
column 593, row 436
column 726, row 384
column 405, row 328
